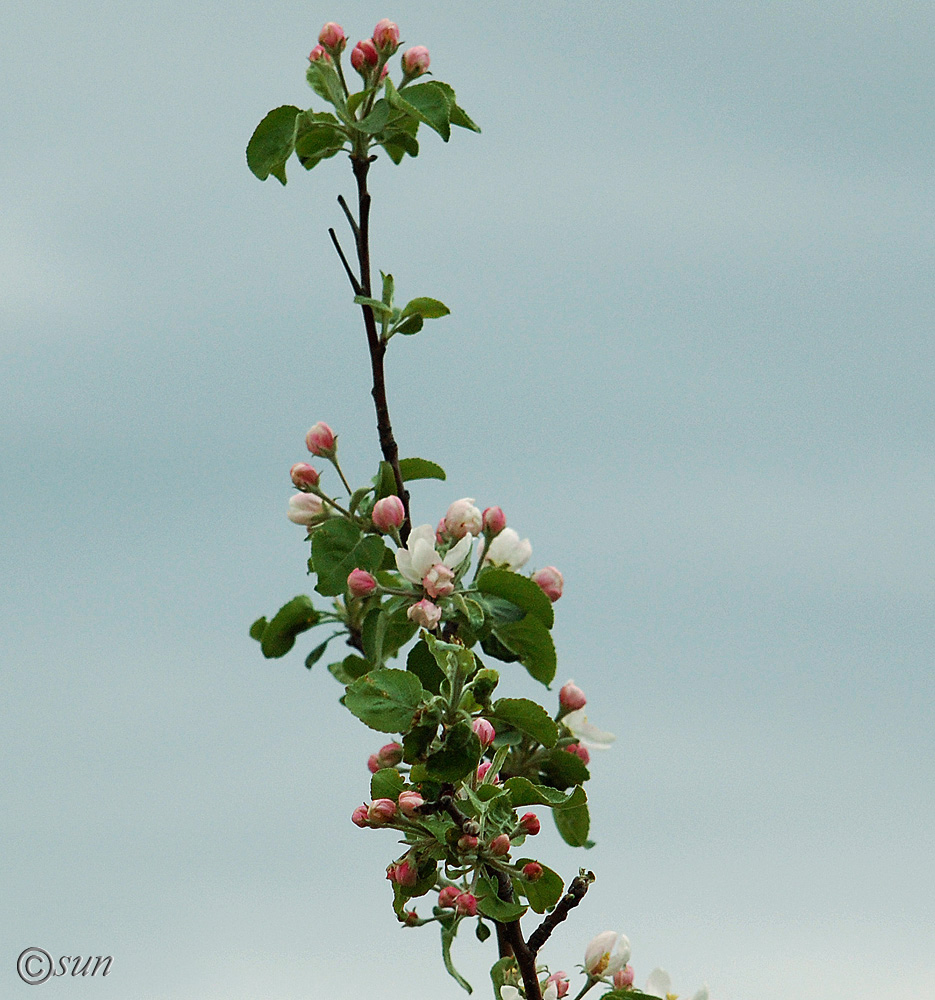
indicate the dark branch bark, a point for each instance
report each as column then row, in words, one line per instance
column 355, row 284
column 576, row 891
column 512, row 935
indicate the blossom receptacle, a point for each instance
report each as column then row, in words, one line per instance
column 320, row 440
column 388, row 513
column 360, row 816
column 493, row 520
column 606, row 953
column 390, row 754
column 530, row 824
column 415, row 60
column 360, row 583
column 484, row 731
column 426, row 614
column 623, row 978
column 500, row 845
column 466, row 905
column 410, row 803
column 364, row 57
column 381, row 811
column 571, row 697
column 560, row 981
column 304, row 476
column 332, row 37
column 551, row 582
column 439, row 581
column 318, row 53
column 304, row 508
column 448, row 895
column 532, row 871
column 386, row 37
column 508, row 550
column 463, row 518
column 580, row 752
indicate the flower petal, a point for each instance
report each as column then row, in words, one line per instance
column 587, row 734
column 659, row 983
column 458, row 552
column 509, row 993
column 404, row 565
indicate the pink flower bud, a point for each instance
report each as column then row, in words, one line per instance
column 388, row 513
column 561, row 983
column 360, row 816
column 304, row 508
column 390, row 754
column 623, row 978
column 532, row 871
column 320, row 440
column 406, row 874
column 383, row 73
column 409, row 803
column 551, row 581
column 579, row 751
column 381, row 811
column 318, row 53
column 500, row 845
column 364, row 57
column 466, row 905
column 360, row 583
column 484, row 731
column 467, row 843
column 482, row 770
column 373, row 763
column 386, row 36
column 411, row 918
column 571, row 697
column 463, row 518
column 303, row 476
column 416, row 60
column 494, row 520
column 426, row 614
column 440, row 536
column 332, row 36
column 448, row 895
column 530, row 824
column 439, row 581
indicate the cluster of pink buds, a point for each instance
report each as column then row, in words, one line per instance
column 579, row 751
column 448, row 895
column 388, row 755
column 466, row 905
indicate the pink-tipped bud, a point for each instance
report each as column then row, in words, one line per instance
column 410, row 918
column 373, row 763
column 530, row 824
column 467, row 843
column 388, row 513
column 381, row 811
column 383, row 73
column 303, row 476
column 623, row 978
column 405, row 874
column 440, row 534
column 360, row 816
column 439, row 581
column 463, row 518
column 416, row 60
column 579, row 751
column 571, row 697
column 500, row 845
column 466, row 905
column 320, row 440
column 364, row 57
column 332, row 36
column 318, row 53
column 360, row 583
column 448, row 895
column 494, row 520
column 482, row 770
column 560, row 979
column 551, row 581
column 426, row 614
column 484, row 731
column 390, row 754
column 410, row 803
column 532, row 871
column 386, row 36
column 304, row 508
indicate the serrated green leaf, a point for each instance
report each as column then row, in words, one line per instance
column 518, row 590
column 317, row 653
column 290, row 620
column 337, row 548
column 383, row 634
column 562, row 769
column 530, row 640
column 524, row 793
column 409, row 326
column 379, row 308
column 386, row 699
column 426, row 308
column 257, row 628
column 545, row 892
column 421, row 662
column 386, row 783
column 376, row 120
column 349, row 669
column 458, row 755
column 573, row 819
column 424, row 102
column 448, row 935
column 528, row 717
column 458, row 115
column 503, row 973
column 420, row 468
column 272, row 143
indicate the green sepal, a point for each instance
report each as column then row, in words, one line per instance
column 349, row 669
column 385, row 699
column 573, row 819
column 530, row 640
column 272, row 143
column 339, row 547
column 290, row 620
column 458, row 755
column 387, row 783
column 419, row 468
column 518, row 590
column 528, row 717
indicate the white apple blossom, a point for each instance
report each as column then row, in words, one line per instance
column 508, row 550
column 587, row 734
column 512, row 993
column 606, row 953
column 420, row 554
column 659, row 984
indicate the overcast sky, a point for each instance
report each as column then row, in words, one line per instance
column 690, row 354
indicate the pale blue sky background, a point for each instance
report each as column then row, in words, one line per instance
column 690, row 266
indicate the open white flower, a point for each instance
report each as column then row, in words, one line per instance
column 587, row 735
column 507, row 549
column 659, row 984
column 606, row 953
column 512, row 993
column 420, row 554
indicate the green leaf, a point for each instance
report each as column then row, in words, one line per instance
column 524, row 793
column 563, row 769
column 323, row 79
column 337, row 548
column 528, row 717
column 428, row 309
column 421, row 662
column 379, row 308
column 459, row 116
column 518, row 590
column 289, row 621
column 317, row 136
column 458, row 756
column 376, row 120
column 420, row 468
column 426, row 103
column 387, row 783
column 385, row 482
column 409, row 326
column 355, row 100
column 257, row 628
column 482, row 931
column 417, row 742
column 448, row 935
column 272, row 143
column 491, row 905
column 545, row 892
column 383, row 634
column 529, row 639
column 385, row 699
column 388, row 289
column 398, row 143
column 450, row 656
column 503, row 973
column 349, row 669
column 471, row 610
column 573, row 820
column 317, row 653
